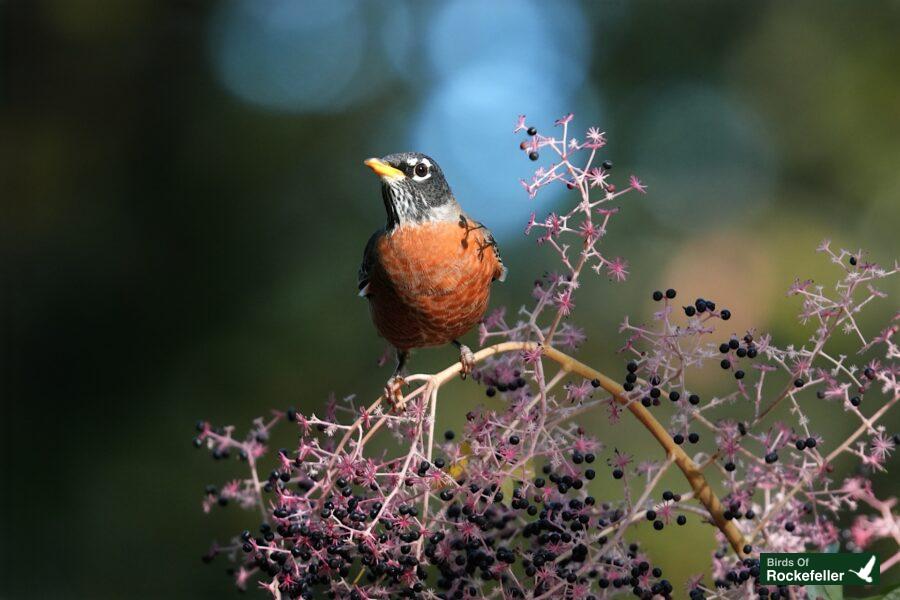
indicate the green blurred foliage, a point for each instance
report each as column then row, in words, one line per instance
column 170, row 253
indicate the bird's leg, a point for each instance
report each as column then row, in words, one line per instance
column 466, row 358
column 393, row 390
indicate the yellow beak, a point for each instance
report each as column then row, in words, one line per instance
column 384, row 170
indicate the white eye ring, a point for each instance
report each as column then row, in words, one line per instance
column 422, row 170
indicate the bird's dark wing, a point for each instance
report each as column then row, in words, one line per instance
column 368, row 259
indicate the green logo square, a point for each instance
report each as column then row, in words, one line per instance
column 808, row 568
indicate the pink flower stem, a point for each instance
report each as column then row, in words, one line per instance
column 400, row 477
column 692, row 473
column 890, row 562
column 828, row 459
column 637, row 511
column 790, row 385
column 327, row 484
column 432, row 401
column 251, row 460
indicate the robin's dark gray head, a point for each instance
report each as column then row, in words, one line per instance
column 414, row 189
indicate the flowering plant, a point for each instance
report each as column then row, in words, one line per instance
column 506, row 507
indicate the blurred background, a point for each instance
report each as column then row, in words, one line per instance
column 184, row 207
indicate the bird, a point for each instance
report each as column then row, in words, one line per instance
column 426, row 274
column 866, row 572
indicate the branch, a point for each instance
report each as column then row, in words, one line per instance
column 692, row 472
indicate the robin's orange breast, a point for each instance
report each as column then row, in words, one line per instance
column 430, row 283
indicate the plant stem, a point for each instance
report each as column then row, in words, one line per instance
column 689, row 468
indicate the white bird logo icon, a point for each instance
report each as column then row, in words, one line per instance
column 866, row 572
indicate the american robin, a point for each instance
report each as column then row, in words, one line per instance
column 427, row 273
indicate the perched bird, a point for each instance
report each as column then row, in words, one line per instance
column 427, row 273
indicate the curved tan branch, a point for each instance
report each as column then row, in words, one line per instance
column 689, row 468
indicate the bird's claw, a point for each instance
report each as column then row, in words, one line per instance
column 466, row 361
column 393, row 391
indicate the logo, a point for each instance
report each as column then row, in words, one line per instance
column 838, row 568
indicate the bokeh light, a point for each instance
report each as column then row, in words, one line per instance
column 397, row 36
column 291, row 56
column 513, row 55
column 549, row 39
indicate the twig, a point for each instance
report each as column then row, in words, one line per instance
column 691, row 471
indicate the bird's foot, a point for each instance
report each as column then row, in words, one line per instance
column 393, row 391
column 466, row 360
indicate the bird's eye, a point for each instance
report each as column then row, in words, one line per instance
column 421, row 170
